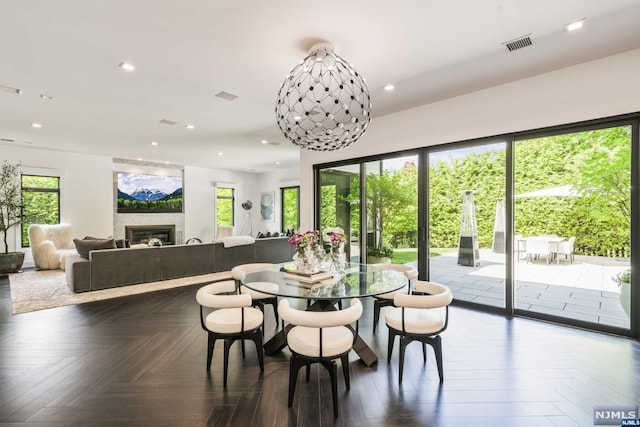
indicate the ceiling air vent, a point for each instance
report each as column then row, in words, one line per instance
column 518, row 43
column 6, row 140
column 226, row 96
column 168, row 122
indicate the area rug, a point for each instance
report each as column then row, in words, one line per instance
column 35, row 290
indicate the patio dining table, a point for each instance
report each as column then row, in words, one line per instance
column 548, row 245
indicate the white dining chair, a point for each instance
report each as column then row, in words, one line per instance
column 231, row 318
column 259, row 299
column 386, row 300
column 320, row 337
column 420, row 316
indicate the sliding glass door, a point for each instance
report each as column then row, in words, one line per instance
column 572, row 210
column 536, row 223
column 467, row 215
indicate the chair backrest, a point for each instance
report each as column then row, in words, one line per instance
column 537, row 246
column 438, row 296
column 60, row 234
column 238, row 272
column 320, row 319
column 409, row 271
column 212, row 296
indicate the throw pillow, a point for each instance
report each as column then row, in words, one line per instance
column 120, row 243
column 85, row 246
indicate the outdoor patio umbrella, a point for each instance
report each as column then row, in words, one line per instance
column 560, row 191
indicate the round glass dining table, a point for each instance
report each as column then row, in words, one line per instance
column 358, row 280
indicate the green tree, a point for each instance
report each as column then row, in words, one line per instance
column 10, row 202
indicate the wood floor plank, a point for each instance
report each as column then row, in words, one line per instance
column 140, row 361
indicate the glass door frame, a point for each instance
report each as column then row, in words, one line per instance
column 632, row 120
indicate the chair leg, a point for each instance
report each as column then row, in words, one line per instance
column 211, row 342
column 345, row 370
column 227, row 346
column 308, row 372
column 436, row 343
column 403, row 345
column 294, row 366
column 333, row 373
column 424, row 352
column 376, row 314
column 242, row 344
column 256, row 337
column 392, row 337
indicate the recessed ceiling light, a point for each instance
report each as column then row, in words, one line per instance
column 166, row 163
column 36, row 125
column 220, row 153
column 189, row 126
column 154, row 143
column 277, row 162
column 126, row 66
column 576, row 25
column 389, row 88
column 139, row 159
column 264, row 141
column 47, row 97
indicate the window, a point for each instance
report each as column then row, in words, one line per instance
column 290, row 199
column 41, row 202
column 224, row 206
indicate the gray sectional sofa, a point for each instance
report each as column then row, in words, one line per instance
column 129, row 266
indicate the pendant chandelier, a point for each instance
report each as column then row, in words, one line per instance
column 323, row 104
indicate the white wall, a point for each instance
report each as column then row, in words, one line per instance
column 85, row 187
column 596, row 89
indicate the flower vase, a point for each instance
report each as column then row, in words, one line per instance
column 307, row 262
column 338, row 262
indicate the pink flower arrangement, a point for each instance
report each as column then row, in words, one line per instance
column 336, row 238
column 308, row 239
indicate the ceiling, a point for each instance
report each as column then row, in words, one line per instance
column 185, row 52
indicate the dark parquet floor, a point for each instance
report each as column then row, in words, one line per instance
column 140, row 361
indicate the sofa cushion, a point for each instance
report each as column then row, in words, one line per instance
column 120, row 243
column 85, row 246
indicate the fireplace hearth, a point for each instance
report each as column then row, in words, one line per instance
column 141, row 234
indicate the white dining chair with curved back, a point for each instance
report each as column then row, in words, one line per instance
column 386, row 300
column 259, row 299
column 420, row 316
column 320, row 337
column 231, row 318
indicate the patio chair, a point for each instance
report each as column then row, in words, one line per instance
column 537, row 247
column 566, row 248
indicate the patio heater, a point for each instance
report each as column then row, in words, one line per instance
column 468, row 249
column 498, row 228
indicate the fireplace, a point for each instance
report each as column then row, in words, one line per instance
column 137, row 234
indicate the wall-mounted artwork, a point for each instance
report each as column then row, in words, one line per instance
column 139, row 193
column 267, row 206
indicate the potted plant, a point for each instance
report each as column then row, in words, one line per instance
column 10, row 215
column 379, row 255
column 624, row 281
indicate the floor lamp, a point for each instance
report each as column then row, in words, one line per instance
column 247, row 207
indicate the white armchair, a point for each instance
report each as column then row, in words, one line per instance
column 50, row 244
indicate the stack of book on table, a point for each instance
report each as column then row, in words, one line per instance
column 307, row 277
